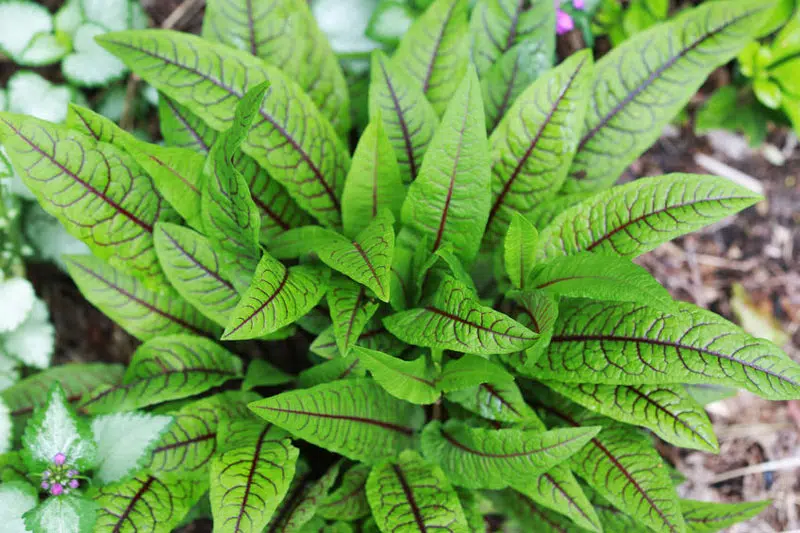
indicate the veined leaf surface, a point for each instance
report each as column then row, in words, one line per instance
column 145, row 502
column 351, row 309
column 538, row 311
column 408, row 117
column 519, row 249
column 497, row 25
column 373, row 182
column 480, row 458
column 456, row 321
column 708, row 517
column 279, row 212
column 285, row 34
column 434, row 51
column 640, row 85
column 300, row 505
column 248, row 483
column 349, row 501
column 632, row 344
column 599, row 277
column 311, row 165
column 449, row 200
column 71, row 175
column 193, row 268
column 411, row 494
column 143, row 313
column 368, row 258
column 163, row 369
column 668, row 410
column 501, row 402
column 355, row 418
column 412, row 381
column 533, row 146
column 230, row 217
column 471, row 370
column 277, row 297
column 621, row 464
column 637, row 217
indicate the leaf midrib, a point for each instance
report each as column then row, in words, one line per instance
column 656, row 74
column 691, row 429
column 197, row 263
column 318, row 176
column 362, row 420
column 117, row 207
column 409, row 147
column 668, row 344
column 436, row 46
column 472, row 451
column 263, row 306
column 251, row 472
column 409, row 495
column 129, row 508
column 457, row 318
column 534, row 142
column 451, row 185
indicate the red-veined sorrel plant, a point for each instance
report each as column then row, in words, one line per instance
column 482, row 340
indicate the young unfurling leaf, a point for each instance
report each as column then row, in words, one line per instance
column 230, row 217
column 367, row 259
column 356, row 418
column 519, row 250
column 409, row 492
column 412, row 381
column 449, row 200
column 456, row 321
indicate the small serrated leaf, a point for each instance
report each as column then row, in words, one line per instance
column 124, row 441
column 494, row 458
column 163, row 369
column 356, row 418
column 277, row 297
column 637, row 217
column 668, row 410
column 412, row 381
column 434, row 50
column 449, row 200
column 248, row 483
column 633, row 344
column 373, row 182
column 408, row 117
column 16, row 499
column 142, row 312
column 456, row 321
column 409, row 493
column 194, row 269
column 56, row 429
column 65, row 514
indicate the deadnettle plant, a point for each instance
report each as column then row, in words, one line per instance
column 481, row 342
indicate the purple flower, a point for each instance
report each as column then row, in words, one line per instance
column 59, row 459
column 72, row 473
column 564, row 23
column 45, row 485
column 45, row 474
column 73, row 484
column 57, row 489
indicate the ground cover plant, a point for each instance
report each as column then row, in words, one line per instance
column 482, row 344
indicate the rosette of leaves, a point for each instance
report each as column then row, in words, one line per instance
column 480, row 337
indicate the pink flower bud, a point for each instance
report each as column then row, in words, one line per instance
column 564, row 23
column 73, row 484
column 59, row 459
column 57, row 489
column 579, row 4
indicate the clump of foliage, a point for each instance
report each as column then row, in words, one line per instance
column 481, row 340
column 619, row 21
